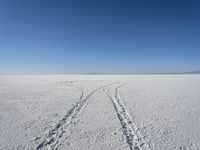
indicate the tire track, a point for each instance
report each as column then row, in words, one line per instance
column 133, row 137
column 52, row 139
column 70, row 83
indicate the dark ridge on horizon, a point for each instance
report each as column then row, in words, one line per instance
column 193, row 72
column 104, row 73
column 190, row 72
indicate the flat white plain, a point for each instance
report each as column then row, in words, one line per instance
column 118, row 112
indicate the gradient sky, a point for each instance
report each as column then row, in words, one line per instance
column 104, row 36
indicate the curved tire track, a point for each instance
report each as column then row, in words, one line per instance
column 70, row 83
column 52, row 139
column 133, row 137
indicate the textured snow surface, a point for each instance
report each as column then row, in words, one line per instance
column 95, row 112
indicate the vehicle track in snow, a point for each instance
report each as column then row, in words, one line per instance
column 133, row 137
column 70, row 83
column 52, row 139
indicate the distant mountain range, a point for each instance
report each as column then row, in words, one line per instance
column 191, row 72
column 104, row 73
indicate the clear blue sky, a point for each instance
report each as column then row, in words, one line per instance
column 105, row 36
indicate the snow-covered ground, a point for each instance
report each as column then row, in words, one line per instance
column 95, row 112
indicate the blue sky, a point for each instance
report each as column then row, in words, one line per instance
column 130, row 36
